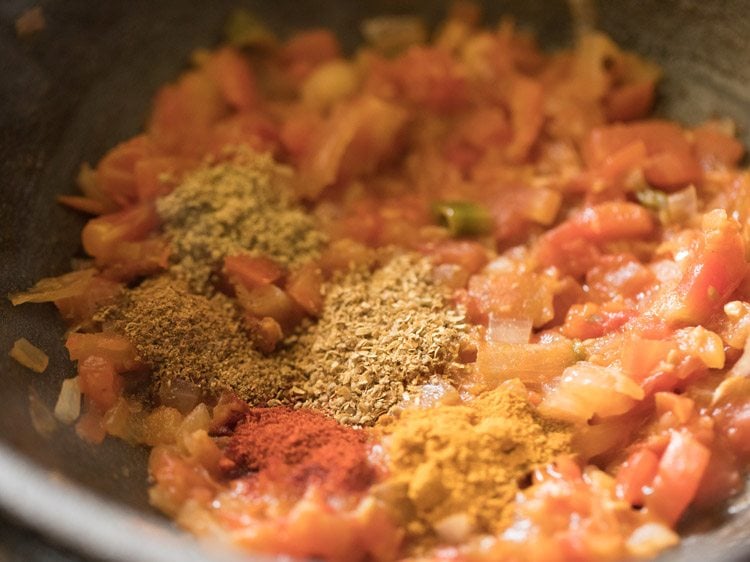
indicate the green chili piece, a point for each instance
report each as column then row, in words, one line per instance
column 245, row 29
column 462, row 218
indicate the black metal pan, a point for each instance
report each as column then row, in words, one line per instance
column 84, row 83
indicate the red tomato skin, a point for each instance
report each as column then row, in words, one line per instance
column 593, row 321
column 671, row 163
column 572, row 245
column 100, row 381
column 468, row 254
column 114, row 348
column 234, row 77
column 681, row 469
column 715, row 272
column 716, row 149
column 101, row 235
column 630, row 102
column 638, row 471
column 305, row 287
column 252, row 271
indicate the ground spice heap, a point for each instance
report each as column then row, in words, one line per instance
column 293, row 449
column 380, row 333
column 455, row 469
column 235, row 208
column 188, row 337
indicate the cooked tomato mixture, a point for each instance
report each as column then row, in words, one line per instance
column 449, row 298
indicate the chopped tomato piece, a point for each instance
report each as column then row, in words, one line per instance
column 571, row 245
column 115, row 174
column 130, row 260
column 618, row 276
column 305, row 286
column 680, row 471
column 307, row 50
column 712, row 274
column 613, row 220
column 184, row 113
column 672, row 170
column 527, row 116
column 101, row 235
column 590, row 320
column 715, row 148
column 298, row 133
column 641, row 356
column 177, row 480
column 158, row 175
column 512, row 294
column 90, row 426
column 635, row 474
column 357, row 138
column 252, row 271
column 430, row 78
column 630, row 102
column 99, row 381
column 234, row 77
column 671, row 164
column 470, row 255
column 116, row 349
column 252, row 130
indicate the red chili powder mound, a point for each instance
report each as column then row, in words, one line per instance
column 298, row 448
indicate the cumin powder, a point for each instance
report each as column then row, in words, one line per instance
column 188, row 337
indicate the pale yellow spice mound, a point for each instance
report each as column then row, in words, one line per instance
column 461, row 465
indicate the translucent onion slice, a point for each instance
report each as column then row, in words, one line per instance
column 54, row 288
column 650, row 539
column 509, row 330
column 42, row 419
column 586, row 389
column 30, row 356
column 68, row 406
column 742, row 367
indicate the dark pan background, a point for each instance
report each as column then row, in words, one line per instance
column 83, row 84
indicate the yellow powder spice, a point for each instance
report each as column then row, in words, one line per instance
column 456, row 468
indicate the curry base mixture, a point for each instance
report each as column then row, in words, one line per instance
column 446, row 299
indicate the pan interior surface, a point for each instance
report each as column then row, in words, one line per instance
column 85, row 82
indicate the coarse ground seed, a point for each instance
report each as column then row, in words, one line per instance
column 234, row 208
column 381, row 333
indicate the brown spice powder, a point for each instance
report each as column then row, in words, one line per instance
column 184, row 336
column 380, row 334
